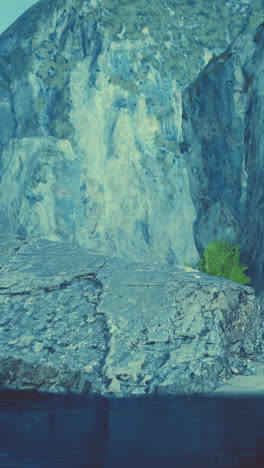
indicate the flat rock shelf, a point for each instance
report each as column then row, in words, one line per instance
column 77, row 321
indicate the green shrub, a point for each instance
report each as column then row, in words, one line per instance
column 223, row 259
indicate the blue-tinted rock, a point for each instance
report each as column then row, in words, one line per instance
column 75, row 320
column 223, row 128
column 91, row 121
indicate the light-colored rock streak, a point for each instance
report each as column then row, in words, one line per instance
column 107, row 76
column 117, row 146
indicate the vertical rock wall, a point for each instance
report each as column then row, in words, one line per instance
column 223, row 129
column 91, row 121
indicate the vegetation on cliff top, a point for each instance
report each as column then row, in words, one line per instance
column 222, row 259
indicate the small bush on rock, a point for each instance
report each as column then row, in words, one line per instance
column 223, row 259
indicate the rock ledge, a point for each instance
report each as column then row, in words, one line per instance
column 74, row 320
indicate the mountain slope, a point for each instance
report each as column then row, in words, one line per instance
column 91, row 121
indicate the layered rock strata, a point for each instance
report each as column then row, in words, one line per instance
column 74, row 320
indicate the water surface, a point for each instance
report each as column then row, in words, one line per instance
column 40, row 430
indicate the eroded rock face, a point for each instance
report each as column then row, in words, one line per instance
column 74, row 320
column 223, row 130
column 91, row 117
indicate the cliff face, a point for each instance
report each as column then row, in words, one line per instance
column 91, row 140
column 223, row 130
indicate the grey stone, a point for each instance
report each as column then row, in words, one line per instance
column 104, row 166
column 91, row 141
column 217, row 222
column 222, row 128
column 248, row 348
column 75, row 320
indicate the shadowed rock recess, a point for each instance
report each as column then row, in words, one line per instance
column 78, row 321
column 119, row 164
column 223, row 127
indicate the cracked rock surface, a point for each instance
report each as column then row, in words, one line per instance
column 74, row 320
column 91, row 143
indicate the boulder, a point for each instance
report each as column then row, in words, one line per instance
column 75, row 320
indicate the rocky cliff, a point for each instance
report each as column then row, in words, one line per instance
column 103, row 150
column 223, row 127
column 91, row 140
column 75, row 320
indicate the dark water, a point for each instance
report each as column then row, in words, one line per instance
column 38, row 430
